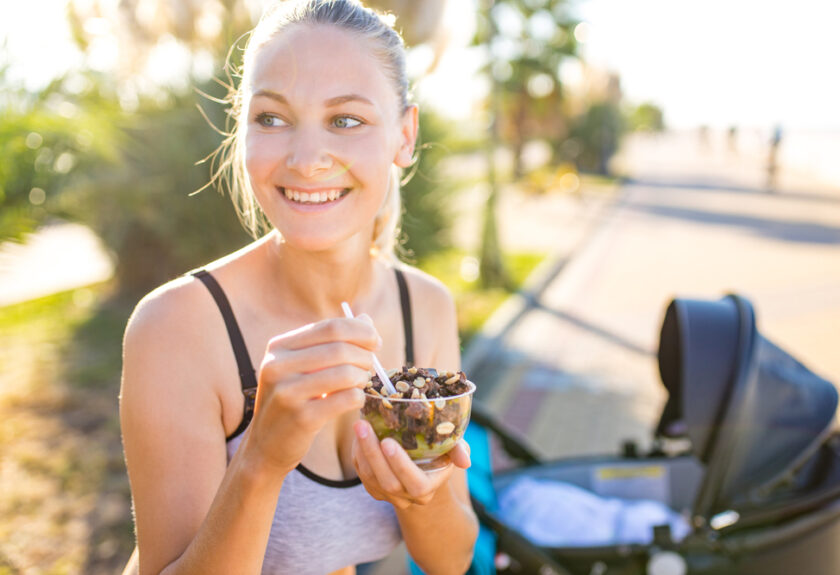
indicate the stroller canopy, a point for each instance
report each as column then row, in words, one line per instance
column 754, row 414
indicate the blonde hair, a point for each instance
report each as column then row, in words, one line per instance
column 228, row 161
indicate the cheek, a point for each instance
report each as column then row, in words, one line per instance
column 258, row 155
column 369, row 158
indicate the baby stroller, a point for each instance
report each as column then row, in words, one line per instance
column 745, row 449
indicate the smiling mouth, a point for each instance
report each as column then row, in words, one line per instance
column 315, row 197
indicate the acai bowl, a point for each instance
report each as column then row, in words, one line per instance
column 427, row 415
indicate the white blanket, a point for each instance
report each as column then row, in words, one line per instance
column 558, row 514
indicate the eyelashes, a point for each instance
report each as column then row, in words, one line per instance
column 342, row 122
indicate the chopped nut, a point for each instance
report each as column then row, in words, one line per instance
column 428, row 380
column 387, row 404
column 452, row 379
column 415, row 394
column 372, row 391
column 445, row 428
column 369, row 384
column 440, row 403
column 419, row 382
column 401, row 386
column 412, row 370
column 423, row 396
column 395, row 396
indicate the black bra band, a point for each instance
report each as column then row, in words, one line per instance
column 247, row 375
column 405, row 303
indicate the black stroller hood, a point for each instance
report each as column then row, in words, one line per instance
column 754, row 414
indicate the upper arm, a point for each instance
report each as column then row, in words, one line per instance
column 170, row 416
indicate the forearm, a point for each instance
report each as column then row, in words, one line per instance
column 440, row 535
column 233, row 536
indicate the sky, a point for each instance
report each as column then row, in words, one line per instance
column 723, row 62
column 718, row 62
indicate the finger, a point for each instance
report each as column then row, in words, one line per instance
column 460, row 455
column 372, row 451
column 321, row 356
column 360, row 463
column 416, row 483
column 335, row 404
column 329, row 380
column 369, row 480
column 350, row 330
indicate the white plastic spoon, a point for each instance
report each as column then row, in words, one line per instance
column 377, row 367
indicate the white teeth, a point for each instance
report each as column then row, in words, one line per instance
column 312, row 198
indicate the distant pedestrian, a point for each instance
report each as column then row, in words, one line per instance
column 732, row 139
column 703, row 137
column 773, row 158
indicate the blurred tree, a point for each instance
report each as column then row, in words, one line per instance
column 46, row 139
column 596, row 134
column 142, row 205
column 526, row 41
column 646, row 117
column 531, row 40
column 426, row 221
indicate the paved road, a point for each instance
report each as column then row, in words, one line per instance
column 576, row 372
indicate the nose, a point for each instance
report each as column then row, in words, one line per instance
column 308, row 156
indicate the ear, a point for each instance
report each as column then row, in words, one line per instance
column 408, row 137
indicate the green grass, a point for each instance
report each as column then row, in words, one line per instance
column 59, row 435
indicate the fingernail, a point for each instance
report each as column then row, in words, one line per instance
column 361, row 429
column 388, row 447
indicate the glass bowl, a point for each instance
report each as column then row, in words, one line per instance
column 425, row 428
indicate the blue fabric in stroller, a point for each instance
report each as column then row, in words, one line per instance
column 756, row 467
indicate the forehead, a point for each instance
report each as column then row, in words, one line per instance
column 320, row 61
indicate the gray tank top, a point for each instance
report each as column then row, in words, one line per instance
column 320, row 525
column 319, row 528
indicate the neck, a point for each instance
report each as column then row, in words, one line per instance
column 315, row 283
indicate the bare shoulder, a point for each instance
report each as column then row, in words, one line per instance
column 181, row 307
column 435, row 320
column 426, row 290
column 170, row 346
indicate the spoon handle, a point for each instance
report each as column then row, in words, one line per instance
column 380, row 371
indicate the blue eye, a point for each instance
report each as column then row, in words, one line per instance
column 346, row 122
column 269, row 120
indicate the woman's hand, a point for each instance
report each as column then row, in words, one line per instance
column 390, row 475
column 308, row 377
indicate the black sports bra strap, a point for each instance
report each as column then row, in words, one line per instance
column 405, row 303
column 243, row 360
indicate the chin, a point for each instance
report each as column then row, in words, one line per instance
column 316, row 243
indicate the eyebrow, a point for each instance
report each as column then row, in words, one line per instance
column 331, row 102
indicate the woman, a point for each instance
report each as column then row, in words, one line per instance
column 242, row 470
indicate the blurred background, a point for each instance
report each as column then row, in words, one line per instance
column 583, row 161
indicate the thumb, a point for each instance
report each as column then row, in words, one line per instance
column 460, row 455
